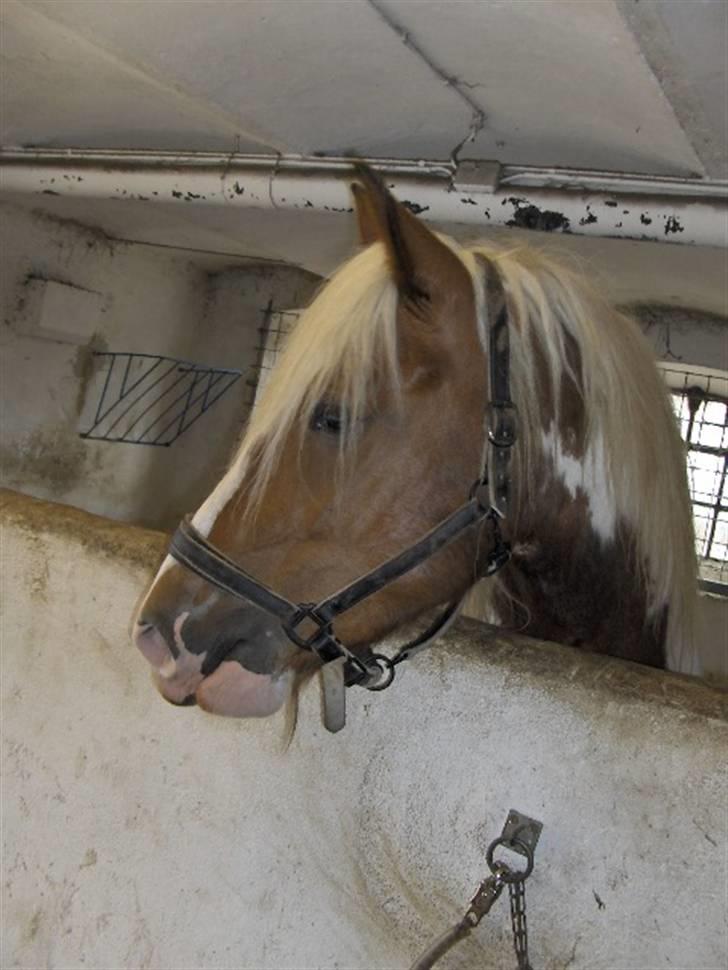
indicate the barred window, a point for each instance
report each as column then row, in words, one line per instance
column 700, row 400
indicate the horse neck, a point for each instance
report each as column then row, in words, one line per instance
column 575, row 576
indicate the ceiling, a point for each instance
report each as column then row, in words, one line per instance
column 623, row 85
column 627, row 86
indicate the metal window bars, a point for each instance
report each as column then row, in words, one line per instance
column 149, row 399
column 700, row 402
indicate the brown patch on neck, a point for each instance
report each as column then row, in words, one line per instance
column 564, row 583
column 572, row 424
column 572, row 415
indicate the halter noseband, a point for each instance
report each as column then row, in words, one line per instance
column 309, row 626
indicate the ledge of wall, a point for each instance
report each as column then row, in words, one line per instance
column 544, row 662
column 189, row 840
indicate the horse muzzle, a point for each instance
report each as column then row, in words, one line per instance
column 229, row 662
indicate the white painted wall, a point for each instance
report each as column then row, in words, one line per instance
column 137, row 835
column 151, row 300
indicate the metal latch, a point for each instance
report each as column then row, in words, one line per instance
column 472, row 175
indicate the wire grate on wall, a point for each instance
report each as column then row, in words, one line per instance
column 148, row 399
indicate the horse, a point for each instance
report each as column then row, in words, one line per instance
column 439, row 414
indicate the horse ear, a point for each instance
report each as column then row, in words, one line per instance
column 365, row 215
column 417, row 258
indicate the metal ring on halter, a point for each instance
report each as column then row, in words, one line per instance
column 387, row 668
column 506, row 873
column 502, row 418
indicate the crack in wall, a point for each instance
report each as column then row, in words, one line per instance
column 478, row 116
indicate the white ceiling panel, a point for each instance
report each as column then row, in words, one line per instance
column 58, row 89
column 685, row 44
column 560, row 83
column 318, row 76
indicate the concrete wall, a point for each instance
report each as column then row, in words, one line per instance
column 139, row 835
column 146, row 300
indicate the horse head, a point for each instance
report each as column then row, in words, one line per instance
column 369, row 432
column 364, row 464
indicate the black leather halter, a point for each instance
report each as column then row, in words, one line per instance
column 310, row 625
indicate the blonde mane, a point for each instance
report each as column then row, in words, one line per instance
column 343, row 342
column 347, row 340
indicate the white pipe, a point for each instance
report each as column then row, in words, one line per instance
column 585, row 203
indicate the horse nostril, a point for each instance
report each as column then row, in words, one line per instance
column 152, row 644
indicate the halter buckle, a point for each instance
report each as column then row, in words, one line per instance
column 502, row 420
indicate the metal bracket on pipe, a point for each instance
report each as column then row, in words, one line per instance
column 476, row 176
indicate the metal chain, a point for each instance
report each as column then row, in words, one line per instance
column 520, row 834
column 517, row 894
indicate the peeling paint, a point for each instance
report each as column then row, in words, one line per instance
column 673, row 225
column 414, row 207
column 531, row 217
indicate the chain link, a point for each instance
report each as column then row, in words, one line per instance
column 517, row 894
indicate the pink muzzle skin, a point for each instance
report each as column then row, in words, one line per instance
column 230, row 690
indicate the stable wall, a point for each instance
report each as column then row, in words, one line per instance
column 144, row 836
column 148, row 299
column 202, row 307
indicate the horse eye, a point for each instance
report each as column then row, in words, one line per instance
column 328, row 418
